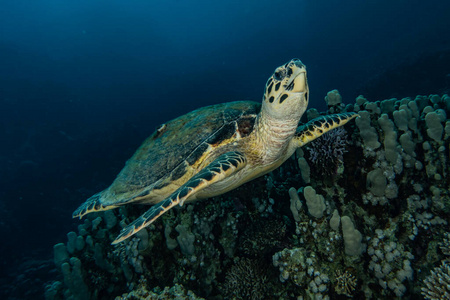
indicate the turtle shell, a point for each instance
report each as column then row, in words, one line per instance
column 176, row 147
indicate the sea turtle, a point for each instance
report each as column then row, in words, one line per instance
column 215, row 149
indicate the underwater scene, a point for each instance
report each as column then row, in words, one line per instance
column 225, row 150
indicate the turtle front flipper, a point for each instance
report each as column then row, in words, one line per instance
column 320, row 125
column 92, row 204
column 224, row 166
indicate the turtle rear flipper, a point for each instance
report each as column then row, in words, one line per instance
column 320, row 125
column 224, row 166
column 92, row 204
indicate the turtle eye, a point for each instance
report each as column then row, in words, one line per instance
column 279, row 75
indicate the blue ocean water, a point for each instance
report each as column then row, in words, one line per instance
column 83, row 83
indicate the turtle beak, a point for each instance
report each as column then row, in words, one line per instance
column 297, row 82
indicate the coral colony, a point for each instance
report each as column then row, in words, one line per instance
column 377, row 228
column 327, row 152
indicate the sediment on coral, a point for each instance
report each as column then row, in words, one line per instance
column 373, row 228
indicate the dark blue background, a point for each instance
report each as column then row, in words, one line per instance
column 82, row 83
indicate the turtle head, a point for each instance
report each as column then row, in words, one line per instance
column 286, row 93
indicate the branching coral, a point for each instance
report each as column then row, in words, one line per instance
column 445, row 245
column 246, row 280
column 345, row 283
column 327, row 152
column 437, row 284
column 262, row 236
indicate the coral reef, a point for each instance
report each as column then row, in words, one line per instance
column 437, row 284
column 445, row 244
column 326, row 153
column 345, row 283
column 369, row 220
column 246, row 280
column 389, row 262
column 141, row 292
